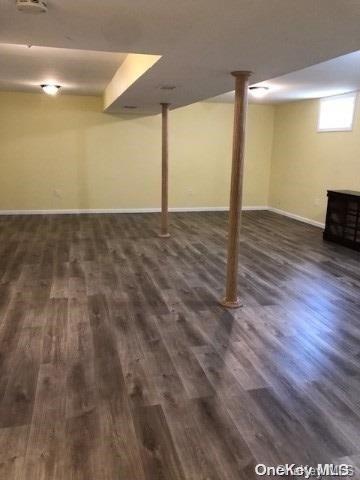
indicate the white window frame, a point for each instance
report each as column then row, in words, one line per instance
column 338, row 129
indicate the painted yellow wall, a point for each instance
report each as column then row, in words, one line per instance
column 64, row 153
column 305, row 163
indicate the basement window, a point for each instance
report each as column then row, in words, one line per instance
column 336, row 113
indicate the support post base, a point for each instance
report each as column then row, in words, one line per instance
column 164, row 235
column 230, row 304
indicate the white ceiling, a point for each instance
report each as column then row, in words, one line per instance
column 82, row 72
column 334, row 77
column 200, row 41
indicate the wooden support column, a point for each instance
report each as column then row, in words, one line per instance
column 164, row 232
column 231, row 299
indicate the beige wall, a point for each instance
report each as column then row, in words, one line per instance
column 64, row 153
column 305, row 163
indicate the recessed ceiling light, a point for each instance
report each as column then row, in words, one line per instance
column 259, row 92
column 32, row 6
column 50, row 89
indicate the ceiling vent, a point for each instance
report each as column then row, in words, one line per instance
column 32, row 6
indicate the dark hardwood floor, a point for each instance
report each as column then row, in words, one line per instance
column 116, row 361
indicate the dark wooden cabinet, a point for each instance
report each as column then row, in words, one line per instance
column 343, row 218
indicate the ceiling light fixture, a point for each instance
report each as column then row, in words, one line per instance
column 259, row 92
column 50, row 89
column 32, row 6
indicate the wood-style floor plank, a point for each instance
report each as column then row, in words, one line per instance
column 158, row 453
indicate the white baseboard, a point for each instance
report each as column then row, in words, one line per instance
column 214, row 209
column 157, row 210
column 123, row 210
column 257, row 207
column 297, row 217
